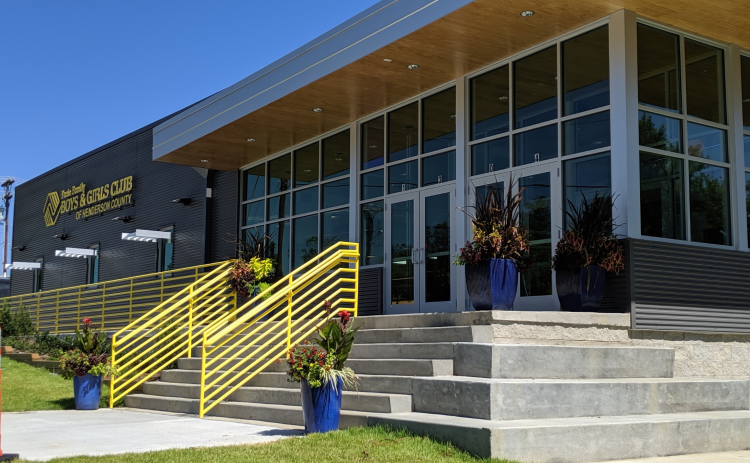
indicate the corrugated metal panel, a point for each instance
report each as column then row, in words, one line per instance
column 224, row 213
column 371, row 291
column 690, row 288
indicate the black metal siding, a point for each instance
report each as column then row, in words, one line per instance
column 224, row 213
column 370, row 291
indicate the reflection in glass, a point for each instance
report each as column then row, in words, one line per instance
column 660, row 132
column 305, row 200
column 707, row 142
column 709, row 204
column 490, row 103
column 658, row 69
column 403, row 134
column 255, row 182
column 254, row 212
column 305, row 239
column 373, row 184
column 439, row 121
column 403, row 177
column 481, row 191
column 586, row 133
column 278, row 206
column 253, row 234
column 586, row 71
column 536, row 145
column 336, row 193
column 662, row 200
column 437, row 247
column 439, row 168
column 704, row 81
column 306, row 165
column 373, row 142
column 536, row 217
column 747, row 204
column 745, row 92
column 279, row 174
column 336, row 155
column 490, row 156
column 536, row 88
column 371, row 228
column 402, row 245
column 584, row 178
column 278, row 247
column 746, row 144
column 335, row 227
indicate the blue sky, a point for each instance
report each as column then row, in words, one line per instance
column 77, row 75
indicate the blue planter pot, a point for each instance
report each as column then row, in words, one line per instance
column 87, row 391
column 479, row 286
column 321, row 406
column 504, row 281
column 582, row 291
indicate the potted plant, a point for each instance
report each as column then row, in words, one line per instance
column 587, row 251
column 87, row 364
column 498, row 251
column 253, row 271
column 321, row 372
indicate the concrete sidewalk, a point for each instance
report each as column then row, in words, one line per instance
column 60, row 433
column 722, row 457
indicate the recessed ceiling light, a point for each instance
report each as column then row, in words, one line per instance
column 409, row 127
column 387, row 60
column 204, row 160
column 251, row 139
column 503, row 98
column 373, row 146
column 413, row 66
column 453, row 116
column 527, row 13
column 746, row 100
column 308, row 170
column 318, row 110
column 338, row 159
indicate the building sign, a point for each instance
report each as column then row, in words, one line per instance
column 88, row 203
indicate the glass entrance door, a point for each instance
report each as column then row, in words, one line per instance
column 420, row 233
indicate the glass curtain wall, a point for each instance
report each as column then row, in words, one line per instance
column 300, row 200
column 746, row 135
column 683, row 137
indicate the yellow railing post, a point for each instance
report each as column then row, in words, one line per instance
column 190, row 321
column 203, row 375
column 130, row 303
column 57, row 310
column 104, row 299
column 112, row 376
column 161, row 288
column 78, row 311
column 356, row 281
column 289, row 314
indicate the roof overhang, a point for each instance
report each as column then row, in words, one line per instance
column 76, row 252
column 23, row 266
column 150, row 236
column 344, row 72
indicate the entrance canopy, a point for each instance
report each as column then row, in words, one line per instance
column 366, row 64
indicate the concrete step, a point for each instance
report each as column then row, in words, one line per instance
column 351, row 400
column 429, row 335
column 583, row 440
column 367, row 383
column 194, row 363
column 286, row 414
column 505, row 399
column 551, row 361
column 434, row 350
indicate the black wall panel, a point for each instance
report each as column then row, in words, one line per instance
column 224, row 215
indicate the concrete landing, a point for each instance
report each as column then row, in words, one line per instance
column 61, row 433
column 721, row 457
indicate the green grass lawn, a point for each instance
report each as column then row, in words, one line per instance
column 26, row 388
column 372, row 445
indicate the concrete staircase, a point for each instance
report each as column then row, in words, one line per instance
column 442, row 376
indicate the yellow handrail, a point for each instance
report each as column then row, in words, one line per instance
column 294, row 306
column 110, row 304
column 162, row 335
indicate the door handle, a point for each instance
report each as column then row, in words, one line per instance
column 414, row 259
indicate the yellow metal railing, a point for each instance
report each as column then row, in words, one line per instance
column 232, row 353
column 159, row 337
column 110, row 304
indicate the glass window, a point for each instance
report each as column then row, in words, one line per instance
column 402, row 177
column 336, row 193
column 165, row 252
column 437, row 247
column 490, row 103
column 536, row 145
column 402, row 245
column 373, row 142
column 439, row 168
column 371, row 232
column 662, row 200
column 305, row 239
column 403, row 135
column 586, row 71
column 253, row 213
column 536, row 209
column 481, row 191
column 439, row 121
column 658, row 69
column 306, row 200
column 746, row 143
column 584, row 178
column 37, row 284
column 92, row 266
column 709, row 204
column 746, row 92
column 336, row 155
column 373, row 184
column 747, row 204
column 279, row 174
column 490, row 156
column 660, row 132
column 536, row 88
column 586, row 133
column 278, row 246
column 704, row 81
column 279, row 206
column 255, row 182
column 253, row 234
column 335, row 227
column 306, row 165
column 707, row 142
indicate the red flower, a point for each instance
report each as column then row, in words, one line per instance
column 345, row 316
column 86, row 321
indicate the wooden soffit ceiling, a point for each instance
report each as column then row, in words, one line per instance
column 474, row 36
